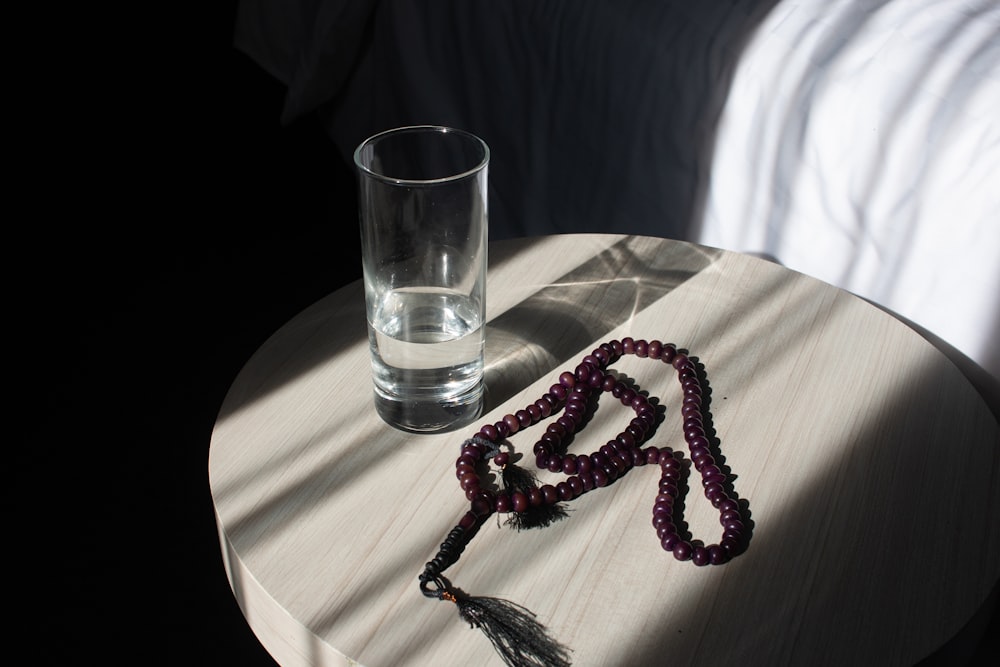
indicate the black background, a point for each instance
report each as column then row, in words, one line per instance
column 163, row 223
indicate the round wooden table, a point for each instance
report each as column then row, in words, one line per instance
column 869, row 464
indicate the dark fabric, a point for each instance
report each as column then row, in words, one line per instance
column 600, row 115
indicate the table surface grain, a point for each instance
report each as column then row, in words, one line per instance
column 870, row 466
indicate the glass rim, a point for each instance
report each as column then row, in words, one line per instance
column 414, row 129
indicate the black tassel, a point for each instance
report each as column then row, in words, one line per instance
column 514, row 631
column 516, row 478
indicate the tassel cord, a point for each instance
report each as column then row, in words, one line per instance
column 448, row 554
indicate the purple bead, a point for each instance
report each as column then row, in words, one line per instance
column 483, row 504
column 698, row 441
column 576, row 404
column 702, row 461
column 710, row 470
column 655, row 349
column 640, row 426
column 558, row 391
column 670, row 475
column 569, row 465
column 598, row 459
column 716, row 554
column 567, row 379
column 628, row 396
column 575, row 485
column 647, row 417
column 712, row 477
column 608, row 383
column 667, row 460
column 596, row 379
column 666, row 529
column 489, row 432
column 652, row 454
column 513, row 425
column 567, row 423
column 713, row 491
column 549, row 494
column 468, row 520
column 670, row 541
column 519, row 502
column 729, row 505
column 535, row 497
column 542, row 461
column 602, row 356
column 667, row 353
column 735, row 527
column 564, row 491
column 730, row 546
column 680, row 361
column 638, row 457
column 682, row 550
column 587, row 480
column 544, row 407
column 534, row 412
column 691, row 387
column 555, row 463
column 699, row 556
column 617, row 347
column 641, row 348
column 694, row 431
column 727, row 516
column 669, row 488
column 628, row 345
column 600, row 477
column 504, row 503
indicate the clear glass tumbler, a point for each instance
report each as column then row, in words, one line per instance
column 423, row 212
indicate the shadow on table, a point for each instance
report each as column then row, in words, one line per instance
column 525, row 343
column 531, row 340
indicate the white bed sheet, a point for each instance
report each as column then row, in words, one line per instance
column 860, row 144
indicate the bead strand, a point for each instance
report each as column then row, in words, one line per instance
column 572, row 396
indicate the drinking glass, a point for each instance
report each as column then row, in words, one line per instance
column 423, row 213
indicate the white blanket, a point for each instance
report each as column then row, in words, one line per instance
column 860, row 144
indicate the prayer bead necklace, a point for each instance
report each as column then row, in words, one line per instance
column 518, row 638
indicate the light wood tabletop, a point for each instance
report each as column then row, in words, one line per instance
column 869, row 465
